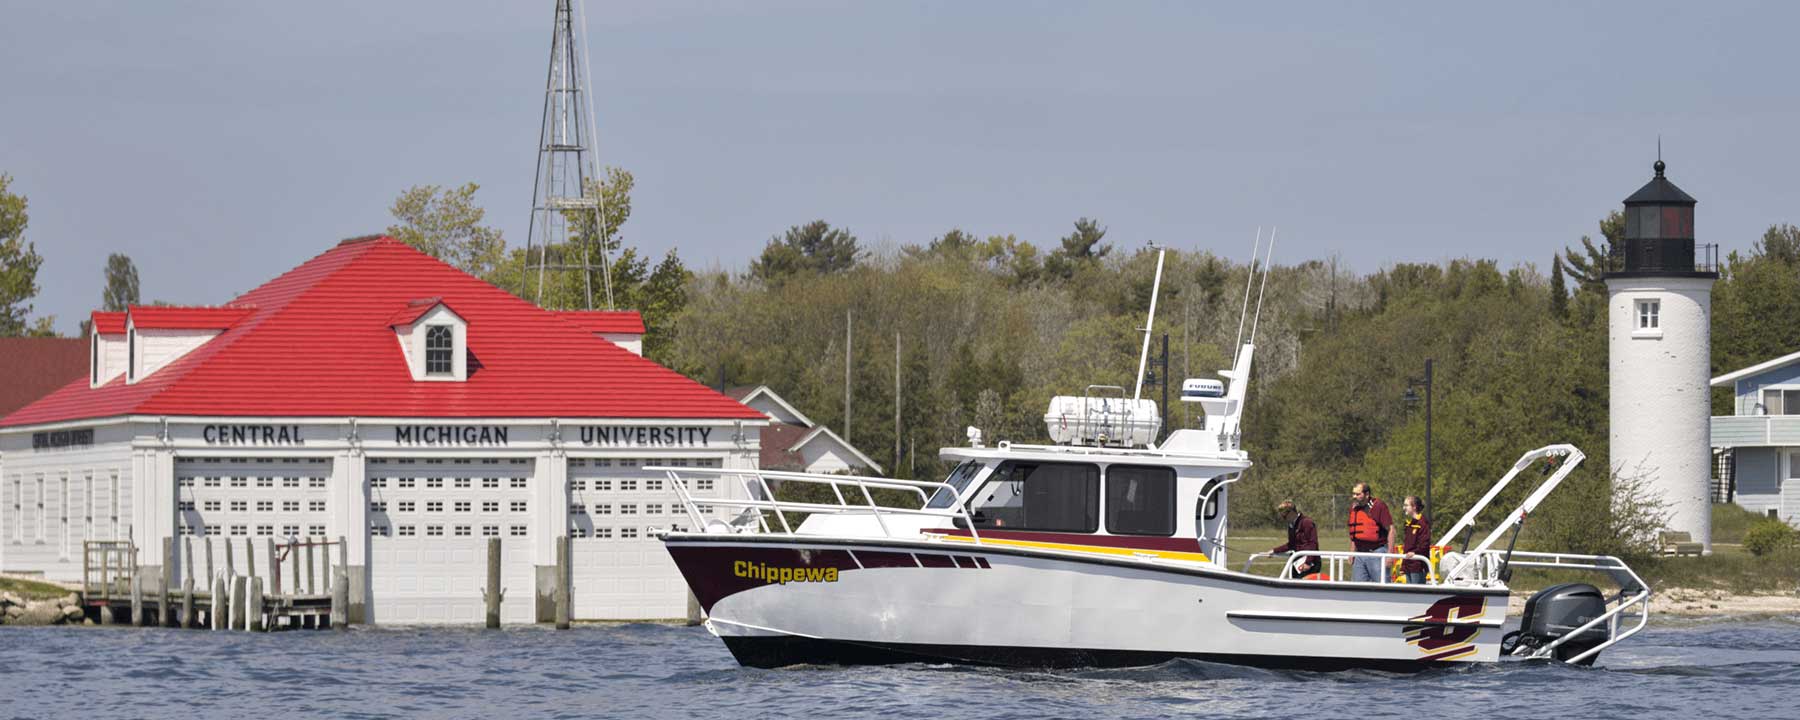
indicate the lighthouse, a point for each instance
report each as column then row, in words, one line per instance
column 1659, row 332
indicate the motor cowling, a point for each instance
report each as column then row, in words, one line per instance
column 1555, row 612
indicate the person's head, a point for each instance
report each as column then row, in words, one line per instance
column 1286, row 510
column 1414, row 506
column 1361, row 492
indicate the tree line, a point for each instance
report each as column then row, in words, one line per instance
column 982, row 329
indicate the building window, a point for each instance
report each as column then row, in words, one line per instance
column 627, row 485
column 627, row 533
column 517, row 483
column 462, row 531
column 491, row 506
column 577, row 509
column 652, row 508
column 378, row 482
column 265, row 482
column 652, row 484
column 436, row 506
column 290, row 506
column 1649, row 314
column 627, row 509
column 462, row 482
column 239, row 529
column 404, row 483
column 211, row 506
column 378, row 506
column 434, row 530
column 490, row 531
column 578, row 533
column 131, row 354
column 439, row 341
column 703, row 485
column 290, row 482
column 212, row 481
column 406, row 506
column 490, row 483
column 602, row 533
column 240, row 506
column 463, row 506
column 1780, row 401
column 315, row 530
column 578, row 485
column 265, row 506
column 603, row 485
column 290, row 530
column 315, row 505
column 434, row 483
column 407, row 531
column 518, row 506
column 379, row 530
column 265, row 529
column 518, row 531
column 316, row 483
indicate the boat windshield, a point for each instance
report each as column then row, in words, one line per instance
column 959, row 478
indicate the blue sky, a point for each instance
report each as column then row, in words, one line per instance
column 219, row 144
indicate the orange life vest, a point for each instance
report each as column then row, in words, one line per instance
column 1362, row 525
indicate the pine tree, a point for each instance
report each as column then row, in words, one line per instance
column 1559, row 295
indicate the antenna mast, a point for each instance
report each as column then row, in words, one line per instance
column 1144, row 356
column 1267, row 266
column 1249, row 278
column 560, row 201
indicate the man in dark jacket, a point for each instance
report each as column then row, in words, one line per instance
column 1302, row 536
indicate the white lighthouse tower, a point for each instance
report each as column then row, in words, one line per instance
column 1659, row 338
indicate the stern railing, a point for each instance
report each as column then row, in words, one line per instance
column 761, row 496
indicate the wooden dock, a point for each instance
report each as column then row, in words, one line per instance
column 116, row 590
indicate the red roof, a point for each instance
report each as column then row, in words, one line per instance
column 606, row 321
column 108, row 323
column 315, row 342
column 162, row 317
column 777, row 437
column 414, row 309
column 34, row 367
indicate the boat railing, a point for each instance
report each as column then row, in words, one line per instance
column 1332, row 563
column 1627, row 613
column 760, row 497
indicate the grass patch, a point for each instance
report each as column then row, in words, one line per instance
column 1729, row 523
column 31, row 590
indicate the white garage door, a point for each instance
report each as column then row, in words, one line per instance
column 234, row 500
column 619, row 569
column 429, row 520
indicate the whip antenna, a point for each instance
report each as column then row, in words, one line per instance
column 1267, row 266
column 1249, row 277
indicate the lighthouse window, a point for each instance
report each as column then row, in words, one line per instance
column 1140, row 500
column 438, row 342
column 1648, row 313
column 1060, row 497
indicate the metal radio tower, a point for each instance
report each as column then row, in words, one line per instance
column 565, row 165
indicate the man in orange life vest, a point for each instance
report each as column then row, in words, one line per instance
column 1302, row 536
column 1370, row 525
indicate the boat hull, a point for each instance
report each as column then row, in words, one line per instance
column 784, row 600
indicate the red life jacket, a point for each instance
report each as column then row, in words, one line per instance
column 1362, row 525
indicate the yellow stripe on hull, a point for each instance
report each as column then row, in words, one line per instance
column 1090, row 549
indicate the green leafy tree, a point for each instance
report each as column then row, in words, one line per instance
column 814, row 248
column 1588, row 267
column 121, row 283
column 446, row 224
column 1081, row 248
column 19, row 263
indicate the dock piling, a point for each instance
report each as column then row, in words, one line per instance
column 220, row 612
column 240, row 589
column 253, row 613
column 340, row 599
column 311, row 587
column 165, row 608
column 137, row 600
column 562, row 582
column 492, row 594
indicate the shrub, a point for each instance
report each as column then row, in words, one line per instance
column 1769, row 535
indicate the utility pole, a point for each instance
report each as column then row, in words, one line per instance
column 1165, row 384
column 847, row 322
column 896, row 402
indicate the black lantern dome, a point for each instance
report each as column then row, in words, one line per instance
column 1659, row 234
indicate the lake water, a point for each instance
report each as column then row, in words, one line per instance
column 1710, row 669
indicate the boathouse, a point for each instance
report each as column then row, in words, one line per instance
column 377, row 394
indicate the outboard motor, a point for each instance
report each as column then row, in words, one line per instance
column 1555, row 612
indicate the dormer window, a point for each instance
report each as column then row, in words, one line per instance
column 434, row 340
column 440, row 342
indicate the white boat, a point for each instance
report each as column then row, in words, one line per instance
column 1109, row 551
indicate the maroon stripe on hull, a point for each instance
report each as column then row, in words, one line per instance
column 872, row 559
column 1117, row 541
column 714, row 573
column 935, row 561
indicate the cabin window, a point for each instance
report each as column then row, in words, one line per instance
column 959, row 478
column 1058, row 497
column 439, row 340
column 1140, row 500
column 1777, row 401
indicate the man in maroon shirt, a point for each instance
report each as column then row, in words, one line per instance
column 1370, row 526
column 1302, row 536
